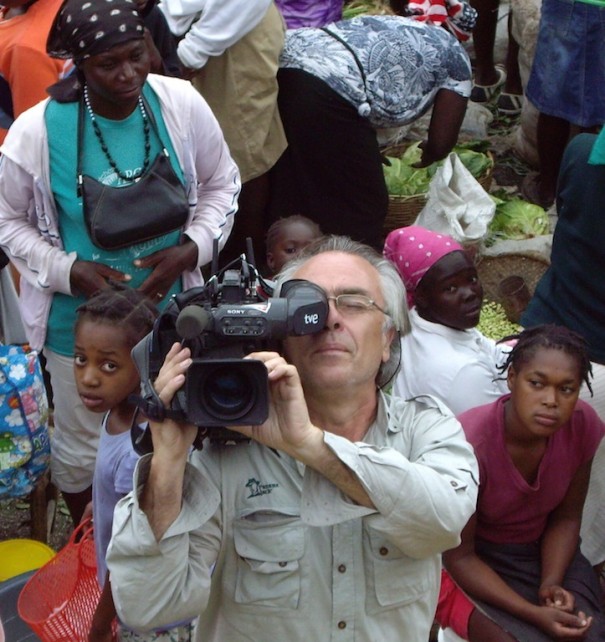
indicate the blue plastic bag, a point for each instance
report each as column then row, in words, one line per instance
column 24, row 416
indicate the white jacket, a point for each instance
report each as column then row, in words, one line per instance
column 29, row 230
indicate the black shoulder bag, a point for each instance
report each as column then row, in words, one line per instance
column 154, row 204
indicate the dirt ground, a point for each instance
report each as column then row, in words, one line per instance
column 15, row 522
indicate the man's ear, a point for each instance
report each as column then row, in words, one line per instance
column 388, row 336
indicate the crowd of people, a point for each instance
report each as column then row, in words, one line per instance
column 409, row 470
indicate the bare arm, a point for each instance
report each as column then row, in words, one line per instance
column 560, row 541
column 104, row 615
column 448, row 113
column 477, row 579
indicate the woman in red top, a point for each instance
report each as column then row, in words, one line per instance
column 519, row 559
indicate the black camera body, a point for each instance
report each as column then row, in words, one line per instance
column 221, row 322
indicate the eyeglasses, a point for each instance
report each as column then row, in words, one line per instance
column 350, row 304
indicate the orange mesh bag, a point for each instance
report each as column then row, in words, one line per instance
column 58, row 601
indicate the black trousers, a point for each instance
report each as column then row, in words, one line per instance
column 331, row 171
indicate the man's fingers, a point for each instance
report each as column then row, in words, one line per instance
column 172, row 373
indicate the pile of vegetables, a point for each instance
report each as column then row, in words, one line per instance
column 493, row 322
column 363, row 8
column 404, row 180
column 516, row 219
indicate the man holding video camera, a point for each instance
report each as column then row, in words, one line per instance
column 329, row 523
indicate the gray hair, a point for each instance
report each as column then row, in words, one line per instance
column 391, row 287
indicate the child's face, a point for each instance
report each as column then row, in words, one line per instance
column 293, row 238
column 104, row 370
column 544, row 394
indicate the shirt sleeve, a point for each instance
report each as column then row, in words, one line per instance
column 458, row 65
column 221, row 24
column 593, row 428
column 39, row 258
column 124, row 472
column 183, row 558
column 424, row 488
column 475, row 384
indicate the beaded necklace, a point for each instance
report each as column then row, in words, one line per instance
column 101, row 140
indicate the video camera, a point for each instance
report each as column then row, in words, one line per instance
column 229, row 317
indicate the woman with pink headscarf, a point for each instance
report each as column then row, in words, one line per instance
column 444, row 354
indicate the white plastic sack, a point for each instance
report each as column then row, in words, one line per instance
column 477, row 118
column 457, row 205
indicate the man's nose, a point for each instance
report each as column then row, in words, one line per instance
column 334, row 318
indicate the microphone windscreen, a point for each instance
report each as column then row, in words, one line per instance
column 192, row 321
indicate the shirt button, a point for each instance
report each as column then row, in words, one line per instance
column 342, row 624
column 342, row 568
column 454, row 483
column 384, row 550
column 282, row 564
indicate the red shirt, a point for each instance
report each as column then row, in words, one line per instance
column 509, row 510
column 24, row 63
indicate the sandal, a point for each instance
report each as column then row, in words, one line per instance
column 510, row 104
column 485, row 93
column 530, row 191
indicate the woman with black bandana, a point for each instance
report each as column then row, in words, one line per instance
column 76, row 177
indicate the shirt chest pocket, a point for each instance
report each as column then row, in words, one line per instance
column 269, row 547
column 394, row 578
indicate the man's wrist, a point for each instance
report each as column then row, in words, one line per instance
column 311, row 448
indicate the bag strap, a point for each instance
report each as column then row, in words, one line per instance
column 80, row 140
column 348, row 47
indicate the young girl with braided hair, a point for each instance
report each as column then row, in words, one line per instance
column 107, row 327
column 519, row 560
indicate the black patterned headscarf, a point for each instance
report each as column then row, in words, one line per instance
column 84, row 28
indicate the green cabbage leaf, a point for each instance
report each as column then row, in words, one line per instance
column 404, row 180
column 517, row 219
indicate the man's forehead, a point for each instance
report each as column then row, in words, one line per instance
column 339, row 270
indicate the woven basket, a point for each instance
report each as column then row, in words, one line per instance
column 403, row 210
column 493, row 269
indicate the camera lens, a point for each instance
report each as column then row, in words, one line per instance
column 228, row 393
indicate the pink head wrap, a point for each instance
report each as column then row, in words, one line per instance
column 414, row 250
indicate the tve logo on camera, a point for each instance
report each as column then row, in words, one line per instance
column 311, row 319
